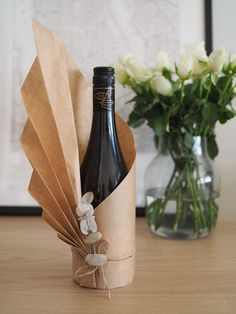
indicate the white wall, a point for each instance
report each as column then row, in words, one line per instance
column 191, row 21
column 14, row 167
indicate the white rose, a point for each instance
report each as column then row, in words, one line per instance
column 120, row 73
column 162, row 62
column 184, row 66
column 161, row 85
column 217, row 59
column 198, row 53
column 198, row 66
column 137, row 71
column 197, row 50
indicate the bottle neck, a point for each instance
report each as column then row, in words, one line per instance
column 103, row 99
column 103, row 126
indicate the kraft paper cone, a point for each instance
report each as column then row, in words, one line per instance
column 58, row 101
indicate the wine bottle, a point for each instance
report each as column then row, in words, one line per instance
column 103, row 167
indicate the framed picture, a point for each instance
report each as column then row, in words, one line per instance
column 94, row 36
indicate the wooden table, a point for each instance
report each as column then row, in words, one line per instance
column 195, row 276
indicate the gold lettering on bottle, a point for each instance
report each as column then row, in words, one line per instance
column 104, row 98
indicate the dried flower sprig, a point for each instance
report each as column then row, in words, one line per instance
column 89, row 229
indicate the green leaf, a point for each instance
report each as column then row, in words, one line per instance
column 214, row 95
column 189, row 92
column 223, row 82
column 226, row 115
column 188, row 140
column 131, row 100
column 175, row 108
column 146, row 86
column 212, row 146
column 143, row 105
column 135, row 120
column 137, row 89
column 210, row 113
column 199, row 103
column 194, row 86
column 167, row 74
column 158, row 122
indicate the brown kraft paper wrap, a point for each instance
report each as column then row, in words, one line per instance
column 58, row 101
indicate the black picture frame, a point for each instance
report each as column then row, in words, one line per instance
column 37, row 211
column 208, row 26
column 20, row 211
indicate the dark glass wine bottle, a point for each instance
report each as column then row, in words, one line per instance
column 103, row 167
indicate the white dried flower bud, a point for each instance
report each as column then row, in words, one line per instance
column 93, row 237
column 96, row 259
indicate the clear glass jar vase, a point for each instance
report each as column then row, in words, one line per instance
column 182, row 189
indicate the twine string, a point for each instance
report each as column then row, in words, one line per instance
column 79, row 275
column 106, row 284
column 79, row 272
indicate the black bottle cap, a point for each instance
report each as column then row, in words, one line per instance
column 103, row 76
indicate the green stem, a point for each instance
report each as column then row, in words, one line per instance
column 212, row 213
column 178, row 210
column 183, row 186
column 206, row 130
column 193, row 198
column 182, row 92
column 224, row 94
column 200, row 89
column 229, row 81
column 156, row 209
column 197, row 193
column 208, row 92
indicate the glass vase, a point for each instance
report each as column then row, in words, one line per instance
column 182, row 189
